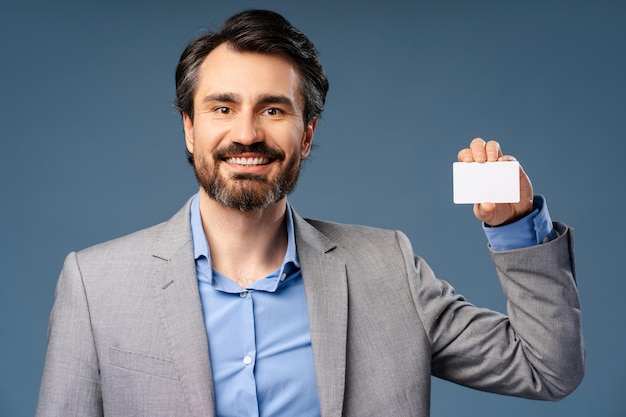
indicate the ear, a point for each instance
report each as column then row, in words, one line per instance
column 307, row 139
column 188, row 126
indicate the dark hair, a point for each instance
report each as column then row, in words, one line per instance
column 264, row 32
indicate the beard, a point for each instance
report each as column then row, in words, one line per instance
column 246, row 192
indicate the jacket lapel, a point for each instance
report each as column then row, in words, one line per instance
column 326, row 290
column 181, row 312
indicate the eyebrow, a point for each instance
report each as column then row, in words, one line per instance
column 223, row 97
column 277, row 99
column 264, row 99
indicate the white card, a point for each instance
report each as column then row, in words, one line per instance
column 486, row 182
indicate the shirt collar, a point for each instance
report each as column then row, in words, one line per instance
column 201, row 246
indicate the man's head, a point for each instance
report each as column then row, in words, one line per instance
column 250, row 96
column 259, row 31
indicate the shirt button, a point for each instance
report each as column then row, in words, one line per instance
column 247, row 360
column 243, row 294
column 283, row 276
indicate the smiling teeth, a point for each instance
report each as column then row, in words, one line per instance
column 248, row 161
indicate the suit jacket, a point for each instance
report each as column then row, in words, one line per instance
column 127, row 334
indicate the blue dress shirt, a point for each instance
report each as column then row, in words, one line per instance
column 259, row 338
column 534, row 229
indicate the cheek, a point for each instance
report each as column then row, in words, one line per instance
column 206, row 137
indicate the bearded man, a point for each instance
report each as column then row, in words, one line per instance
column 237, row 306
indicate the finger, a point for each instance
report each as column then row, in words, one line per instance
column 507, row 158
column 493, row 150
column 477, row 146
column 465, row 155
column 485, row 212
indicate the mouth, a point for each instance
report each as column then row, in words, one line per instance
column 248, row 161
column 256, row 157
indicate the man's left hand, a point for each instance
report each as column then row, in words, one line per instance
column 500, row 213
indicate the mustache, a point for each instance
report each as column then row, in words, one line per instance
column 235, row 149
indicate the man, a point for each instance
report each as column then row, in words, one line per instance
column 239, row 307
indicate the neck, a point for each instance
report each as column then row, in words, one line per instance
column 244, row 246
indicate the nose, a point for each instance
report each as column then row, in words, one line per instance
column 246, row 129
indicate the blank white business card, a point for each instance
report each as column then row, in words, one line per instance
column 486, row 182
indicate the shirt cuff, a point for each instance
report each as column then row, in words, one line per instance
column 533, row 229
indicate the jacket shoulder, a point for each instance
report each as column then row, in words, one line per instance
column 158, row 239
column 358, row 237
column 132, row 242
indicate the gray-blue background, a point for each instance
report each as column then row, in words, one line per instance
column 91, row 148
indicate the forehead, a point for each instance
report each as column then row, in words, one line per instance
column 247, row 74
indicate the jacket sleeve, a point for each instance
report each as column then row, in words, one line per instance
column 71, row 379
column 536, row 350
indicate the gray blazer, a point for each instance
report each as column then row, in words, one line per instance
column 127, row 335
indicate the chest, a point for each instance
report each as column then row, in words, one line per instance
column 260, row 349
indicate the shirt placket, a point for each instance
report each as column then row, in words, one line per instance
column 248, row 403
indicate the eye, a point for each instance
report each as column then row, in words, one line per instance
column 222, row 110
column 273, row 111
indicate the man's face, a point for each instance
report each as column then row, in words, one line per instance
column 248, row 135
